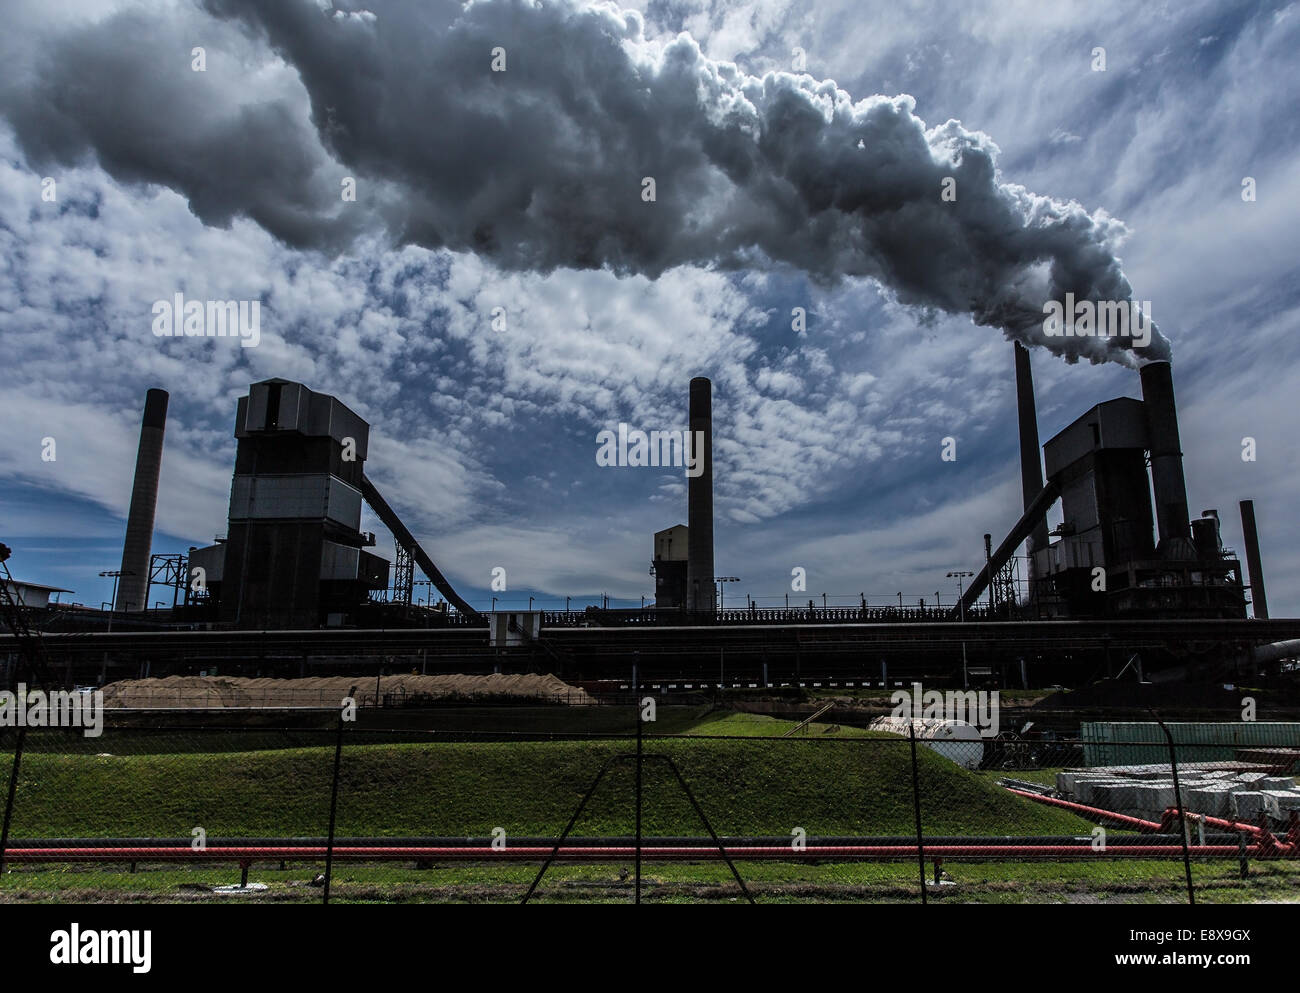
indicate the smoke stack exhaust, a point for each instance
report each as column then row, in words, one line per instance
column 1253, row 566
column 1166, row 452
column 1031, row 466
column 699, row 502
column 133, row 586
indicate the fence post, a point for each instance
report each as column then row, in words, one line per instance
column 13, row 787
column 639, row 723
column 1182, row 814
column 334, row 796
column 916, row 809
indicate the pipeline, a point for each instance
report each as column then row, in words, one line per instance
column 605, row 841
column 1168, row 822
column 1082, row 850
column 1095, row 813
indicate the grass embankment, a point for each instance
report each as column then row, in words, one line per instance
column 828, row 785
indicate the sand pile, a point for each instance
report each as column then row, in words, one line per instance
column 328, row 691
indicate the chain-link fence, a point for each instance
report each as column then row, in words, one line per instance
column 348, row 813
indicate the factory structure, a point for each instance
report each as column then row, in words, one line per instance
column 294, row 555
column 294, row 559
column 1126, row 546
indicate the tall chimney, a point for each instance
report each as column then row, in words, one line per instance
column 1166, row 452
column 133, row 589
column 699, row 501
column 1031, row 466
column 1257, row 598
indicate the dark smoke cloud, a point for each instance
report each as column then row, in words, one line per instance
column 540, row 167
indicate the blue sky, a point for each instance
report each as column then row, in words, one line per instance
column 827, row 444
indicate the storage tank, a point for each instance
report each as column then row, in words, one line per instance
column 957, row 741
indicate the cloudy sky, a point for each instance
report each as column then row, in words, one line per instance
column 797, row 151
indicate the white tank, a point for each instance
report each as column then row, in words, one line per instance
column 957, row 741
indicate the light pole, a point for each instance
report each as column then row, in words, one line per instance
column 112, row 607
column 721, row 589
column 961, row 575
column 426, row 583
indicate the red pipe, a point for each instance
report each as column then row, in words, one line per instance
column 1094, row 812
column 1168, row 822
column 612, row 853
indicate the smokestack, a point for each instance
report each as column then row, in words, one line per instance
column 1031, row 466
column 699, row 501
column 1166, row 451
column 133, row 590
column 1258, row 600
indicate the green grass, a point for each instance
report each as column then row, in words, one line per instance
column 768, row 882
column 762, row 726
column 829, row 783
column 826, row 785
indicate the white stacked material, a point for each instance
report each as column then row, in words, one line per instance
column 1235, row 791
column 1286, row 800
column 1210, row 798
column 1247, row 806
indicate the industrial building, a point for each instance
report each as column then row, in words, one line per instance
column 669, row 566
column 1106, row 562
column 35, row 596
column 1127, row 572
column 1126, row 547
column 294, row 555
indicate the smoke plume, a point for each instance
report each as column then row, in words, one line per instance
column 542, row 166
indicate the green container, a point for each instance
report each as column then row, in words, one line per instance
column 1143, row 742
